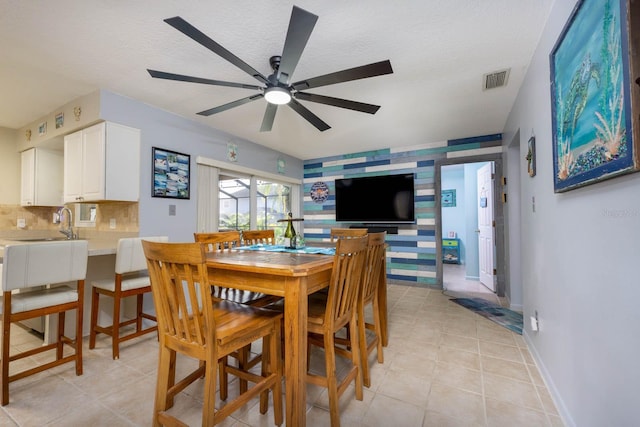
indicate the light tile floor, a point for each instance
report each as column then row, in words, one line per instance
column 444, row 366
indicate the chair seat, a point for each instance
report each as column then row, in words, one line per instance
column 317, row 307
column 127, row 284
column 233, row 319
column 33, row 300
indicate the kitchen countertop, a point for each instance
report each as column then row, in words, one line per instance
column 97, row 246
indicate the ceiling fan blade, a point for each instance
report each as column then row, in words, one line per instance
column 300, row 27
column 269, row 116
column 338, row 102
column 183, row 78
column 230, row 105
column 311, row 118
column 189, row 30
column 362, row 72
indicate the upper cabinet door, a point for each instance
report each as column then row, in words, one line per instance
column 102, row 162
column 73, row 163
column 93, row 166
column 41, row 183
column 27, row 182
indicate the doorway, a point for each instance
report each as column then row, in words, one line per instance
column 461, row 200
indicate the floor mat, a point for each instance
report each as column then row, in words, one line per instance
column 510, row 319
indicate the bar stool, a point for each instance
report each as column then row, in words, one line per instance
column 30, row 265
column 131, row 279
column 329, row 313
column 374, row 267
column 190, row 323
column 222, row 241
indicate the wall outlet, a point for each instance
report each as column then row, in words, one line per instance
column 22, row 223
column 172, row 210
column 112, row 223
column 535, row 325
column 56, row 218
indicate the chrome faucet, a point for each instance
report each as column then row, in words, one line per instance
column 68, row 231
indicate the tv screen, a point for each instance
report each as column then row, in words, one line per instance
column 380, row 199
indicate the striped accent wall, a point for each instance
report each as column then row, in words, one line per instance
column 411, row 254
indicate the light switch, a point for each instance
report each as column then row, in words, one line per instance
column 172, row 210
column 112, row 223
column 22, row 223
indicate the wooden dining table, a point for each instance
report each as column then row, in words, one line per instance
column 292, row 276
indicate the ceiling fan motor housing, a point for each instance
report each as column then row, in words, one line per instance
column 274, row 61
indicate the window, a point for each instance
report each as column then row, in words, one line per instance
column 272, row 202
column 242, row 198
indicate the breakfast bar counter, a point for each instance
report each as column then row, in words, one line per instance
column 100, row 265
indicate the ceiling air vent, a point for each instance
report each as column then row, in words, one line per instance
column 495, row 79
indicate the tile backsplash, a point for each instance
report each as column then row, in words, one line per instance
column 40, row 218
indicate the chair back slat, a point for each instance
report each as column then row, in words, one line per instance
column 178, row 282
column 374, row 264
column 346, row 233
column 34, row 264
column 254, row 237
column 346, row 277
column 219, row 241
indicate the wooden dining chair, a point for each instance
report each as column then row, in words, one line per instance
column 328, row 313
column 346, row 233
column 222, row 241
column 254, row 237
column 130, row 279
column 192, row 324
column 373, row 268
column 26, row 269
column 225, row 241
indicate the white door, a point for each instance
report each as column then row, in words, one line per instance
column 486, row 225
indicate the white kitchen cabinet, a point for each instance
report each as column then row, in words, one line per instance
column 102, row 162
column 41, row 181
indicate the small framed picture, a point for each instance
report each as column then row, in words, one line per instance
column 171, row 174
column 448, row 198
column 59, row 120
column 42, row 128
column 232, row 152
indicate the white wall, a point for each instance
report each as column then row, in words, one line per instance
column 453, row 217
column 580, row 257
column 165, row 130
column 9, row 191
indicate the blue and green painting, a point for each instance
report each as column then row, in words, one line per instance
column 590, row 95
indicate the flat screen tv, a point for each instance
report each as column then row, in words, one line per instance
column 376, row 199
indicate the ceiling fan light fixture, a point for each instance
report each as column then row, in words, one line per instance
column 277, row 95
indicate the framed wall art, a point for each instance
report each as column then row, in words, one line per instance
column 59, row 120
column 590, row 93
column 448, row 198
column 171, row 174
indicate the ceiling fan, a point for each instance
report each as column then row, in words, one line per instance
column 276, row 88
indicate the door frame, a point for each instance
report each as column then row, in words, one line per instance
column 498, row 214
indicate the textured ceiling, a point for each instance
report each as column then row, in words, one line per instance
column 52, row 52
